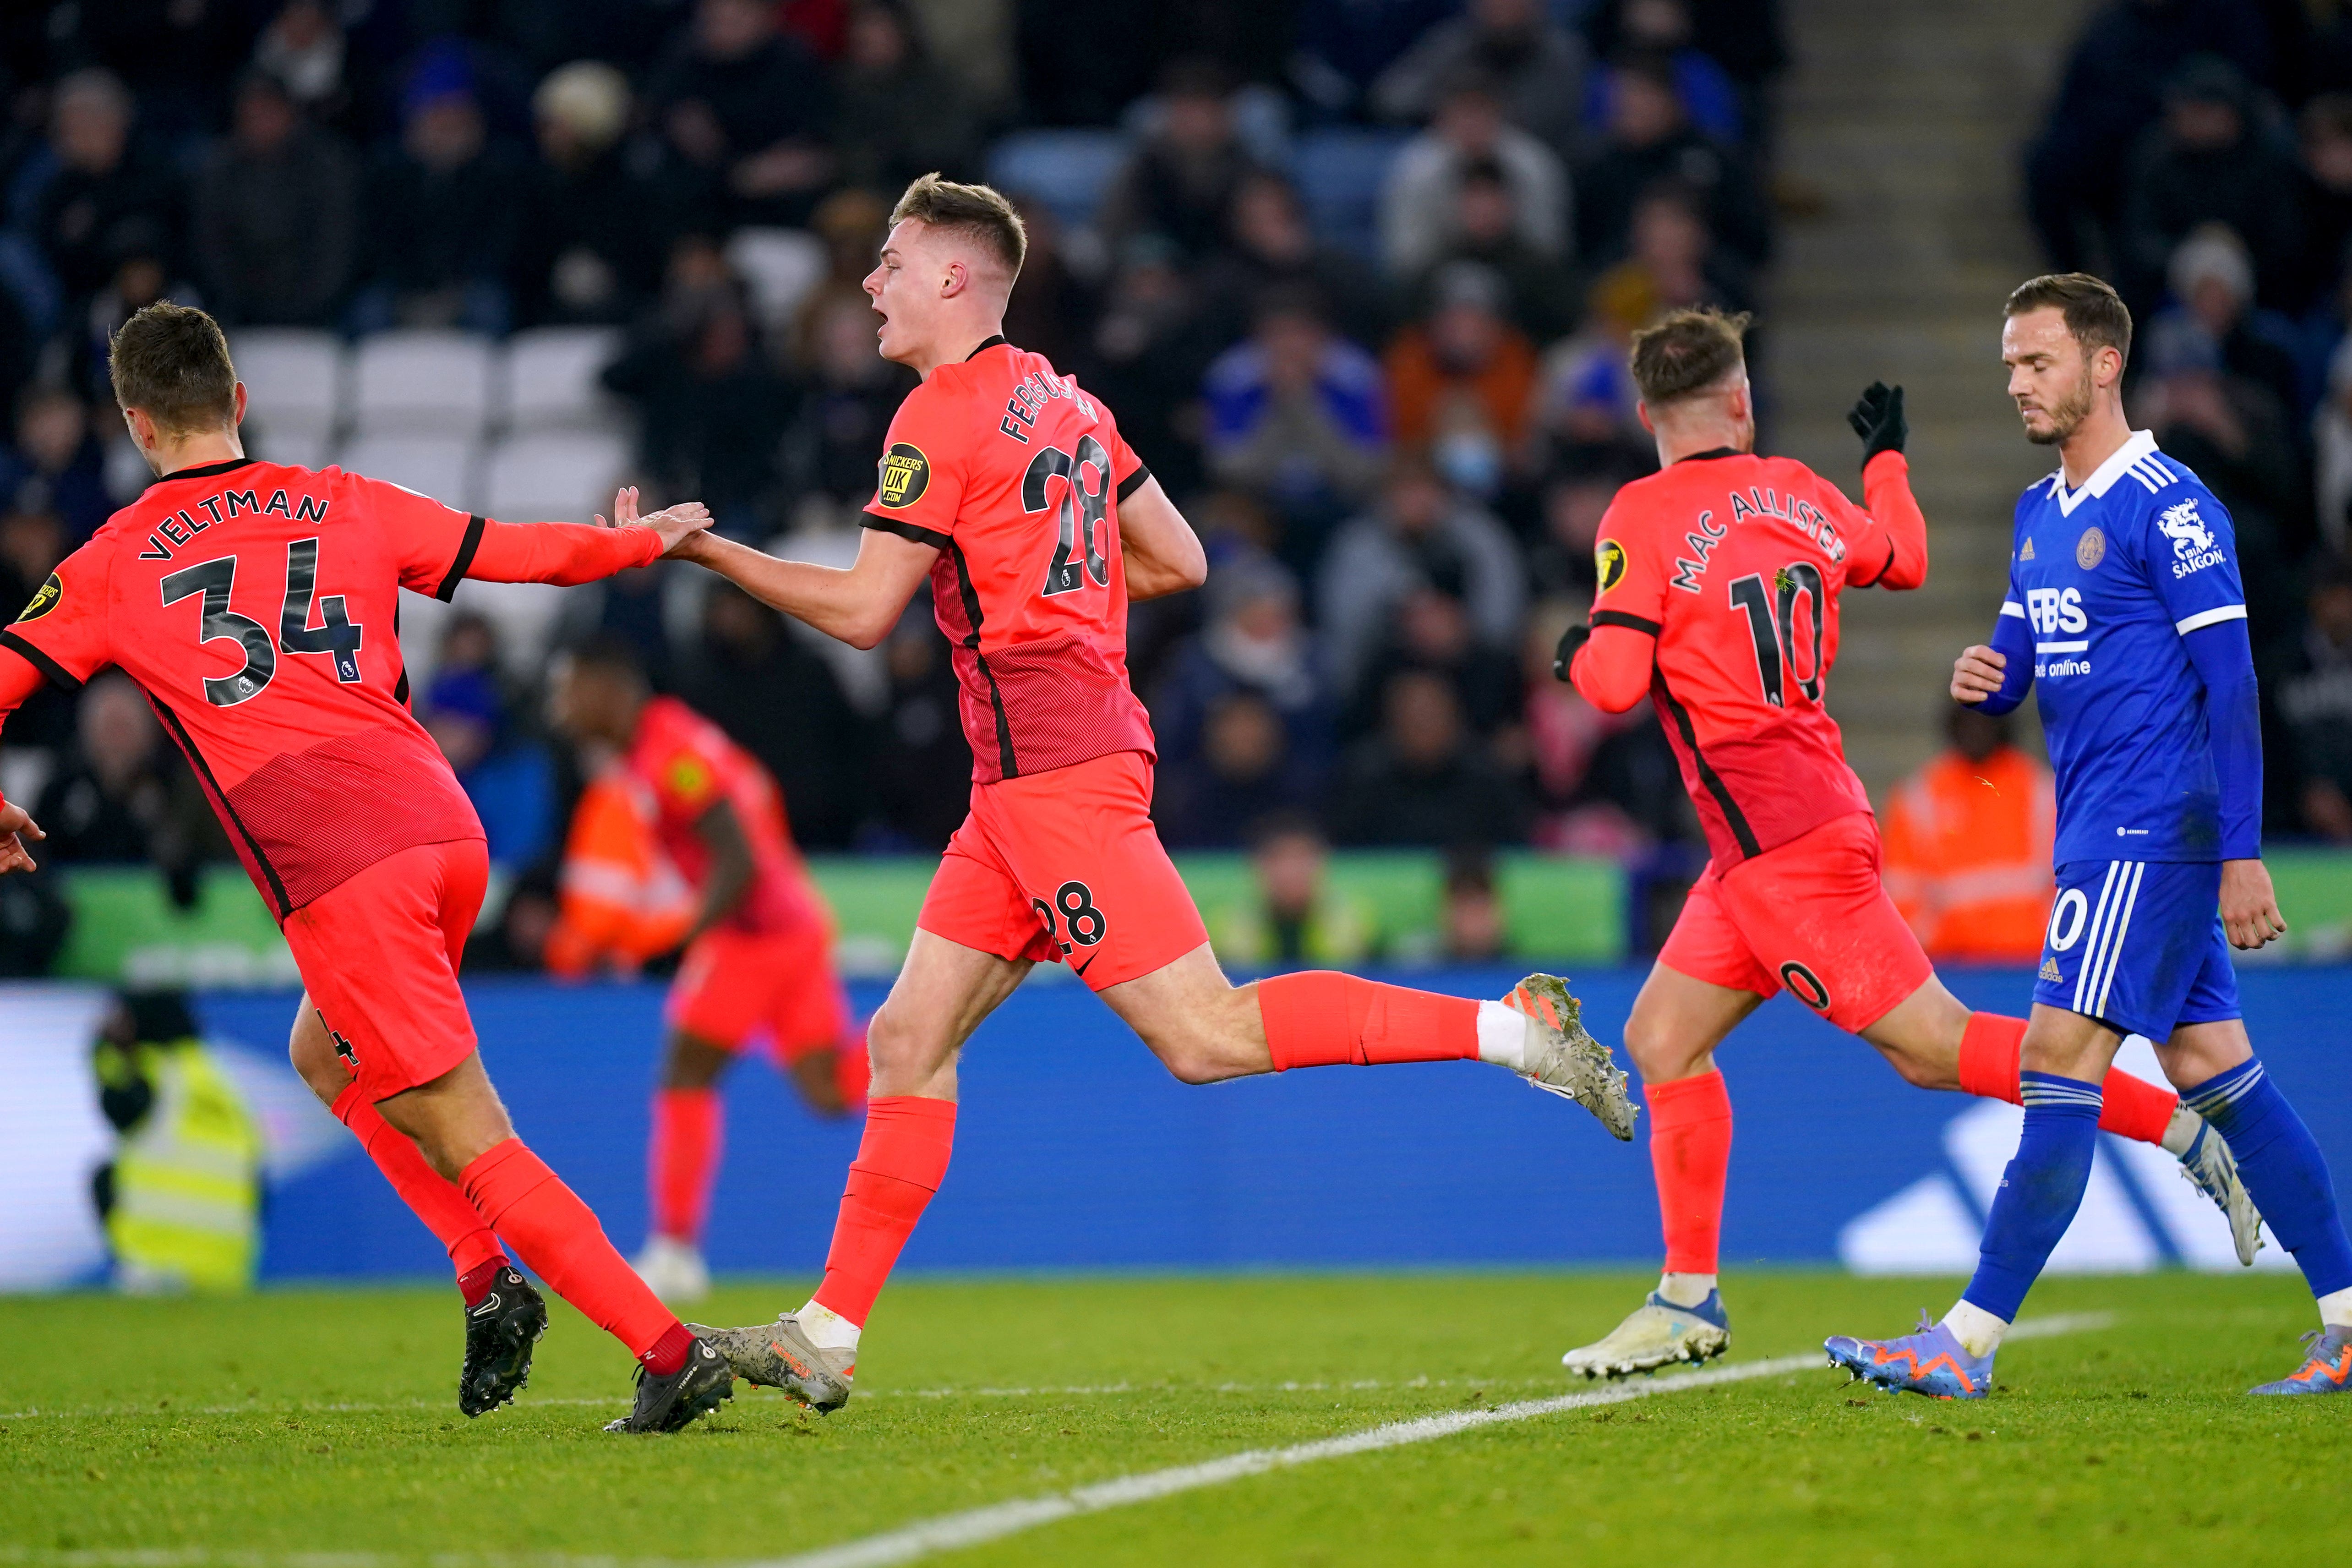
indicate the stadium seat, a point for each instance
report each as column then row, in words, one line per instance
column 288, row 438
column 561, row 475
column 1068, row 170
column 442, row 467
column 780, row 266
column 422, row 381
column 552, row 380
column 291, row 374
column 1340, row 175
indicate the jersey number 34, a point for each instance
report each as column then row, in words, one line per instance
column 215, row 579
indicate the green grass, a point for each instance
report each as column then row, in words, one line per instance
column 322, row 1421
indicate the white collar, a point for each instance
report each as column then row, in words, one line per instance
column 2142, row 442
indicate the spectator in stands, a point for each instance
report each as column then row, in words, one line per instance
column 1651, row 140
column 714, row 409
column 1969, row 838
column 1053, row 311
column 1151, row 345
column 304, row 47
column 831, row 446
column 2110, row 93
column 1421, row 781
column 1672, row 263
column 102, row 185
column 900, row 112
column 55, row 467
column 1296, row 415
column 1241, row 767
column 1270, row 246
column 1537, row 67
column 1575, row 498
column 444, row 210
column 780, row 702
column 509, row 779
column 1180, row 182
column 1429, row 630
column 1419, row 536
column 852, row 223
column 275, row 214
column 2212, row 287
column 744, row 107
column 1462, row 381
column 1254, row 642
column 1472, row 926
column 920, row 768
column 2231, row 432
column 1541, row 292
column 591, row 249
column 2310, row 679
column 1422, row 203
column 2325, row 133
column 2208, row 161
column 1742, row 36
column 1666, row 29
column 2332, row 435
column 123, row 795
column 1572, row 759
column 1341, row 48
column 1296, row 915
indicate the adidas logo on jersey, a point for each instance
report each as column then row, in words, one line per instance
column 2050, row 970
column 2026, row 553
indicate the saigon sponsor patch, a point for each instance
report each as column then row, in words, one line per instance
column 906, row 474
column 45, row 599
column 1608, row 559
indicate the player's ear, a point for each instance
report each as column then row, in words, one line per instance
column 236, row 415
column 1642, row 412
column 954, row 279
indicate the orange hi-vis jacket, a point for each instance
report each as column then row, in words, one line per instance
column 1967, row 850
column 620, row 901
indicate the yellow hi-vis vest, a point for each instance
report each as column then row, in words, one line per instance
column 187, row 1180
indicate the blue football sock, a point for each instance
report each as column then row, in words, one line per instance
column 2040, row 1191
column 2283, row 1168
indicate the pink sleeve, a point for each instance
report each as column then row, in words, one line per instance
column 562, row 552
column 62, row 632
column 430, row 541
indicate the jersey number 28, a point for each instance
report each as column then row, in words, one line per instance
column 215, row 579
column 1083, row 515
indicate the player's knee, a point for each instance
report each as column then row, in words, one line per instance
column 899, row 1049
column 1658, row 1055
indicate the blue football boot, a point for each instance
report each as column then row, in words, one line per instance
column 2326, row 1370
column 1931, row 1361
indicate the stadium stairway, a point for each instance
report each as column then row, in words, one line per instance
column 1907, row 121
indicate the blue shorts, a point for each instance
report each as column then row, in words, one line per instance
column 2137, row 944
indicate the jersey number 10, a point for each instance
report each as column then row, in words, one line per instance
column 215, row 579
column 1772, row 621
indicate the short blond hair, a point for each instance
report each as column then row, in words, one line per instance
column 1686, row 352
column 979, row 212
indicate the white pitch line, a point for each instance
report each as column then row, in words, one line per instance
column 953, row 1531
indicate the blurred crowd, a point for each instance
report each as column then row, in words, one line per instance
column 2199, row 153
column 1356, row 276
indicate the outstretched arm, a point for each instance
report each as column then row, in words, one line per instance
column 1894, row 546
column 1163, row 554
column 569, row 553
column 18, row 681
column 860, row 605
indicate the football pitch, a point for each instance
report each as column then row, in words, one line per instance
column 1408, row 1418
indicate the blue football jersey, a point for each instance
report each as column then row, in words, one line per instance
column 2109, row 578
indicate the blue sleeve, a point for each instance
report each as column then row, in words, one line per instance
column 2012, row 638
column 2188, row 549
column 2224, row 658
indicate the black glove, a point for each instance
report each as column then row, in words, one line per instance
column 1575, row 637
column 1877, row 418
